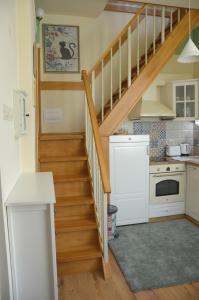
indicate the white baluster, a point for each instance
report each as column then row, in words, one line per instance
column 146, row 41
column 163, row 25
column 138, row 45
column 129, row 56
column 154, row 29
column 171, row 19
column 111, row 83
column 120, row 69
column 102, row 87
column 93, row 85
column 105, row 229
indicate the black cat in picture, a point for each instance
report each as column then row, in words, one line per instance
column 67, row 53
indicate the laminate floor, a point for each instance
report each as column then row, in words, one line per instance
column 88, row 286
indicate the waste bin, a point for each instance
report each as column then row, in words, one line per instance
column 112, row 213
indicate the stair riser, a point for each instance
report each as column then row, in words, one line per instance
column 81, row 211
column 82, row 266
column 67, row 240
column 65, row 168
column 62, row 148
column 72, row 188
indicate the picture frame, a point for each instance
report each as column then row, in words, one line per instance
column 61, row 48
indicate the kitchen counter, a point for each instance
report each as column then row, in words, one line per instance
column 166, row 162
column 191, row 160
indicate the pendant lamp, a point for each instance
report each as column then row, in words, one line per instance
column 190, row 53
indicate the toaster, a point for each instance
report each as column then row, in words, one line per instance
column 173, row 151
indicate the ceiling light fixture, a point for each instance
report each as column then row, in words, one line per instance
column 190, row 53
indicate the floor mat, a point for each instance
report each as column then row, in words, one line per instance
column 158, row 254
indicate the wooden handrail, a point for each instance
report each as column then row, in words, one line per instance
column 115, row 45
column 96, row 134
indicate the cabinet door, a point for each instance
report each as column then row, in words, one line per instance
column 129, row 171
column 193, row 192
column 186, row 100
column 180, row 101
column 190, row 105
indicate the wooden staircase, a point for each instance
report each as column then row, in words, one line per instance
column 142, row 69
column 77, row 239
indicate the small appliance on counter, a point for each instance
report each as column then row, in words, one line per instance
column 173, row 151
column 185, row 149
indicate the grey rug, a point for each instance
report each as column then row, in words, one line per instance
column 158, row 254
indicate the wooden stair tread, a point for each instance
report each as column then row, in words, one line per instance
column 63, row 158
column 79, row 254
column 74, row 224
column 61, row 136
column 73, row 201
column 73, row 178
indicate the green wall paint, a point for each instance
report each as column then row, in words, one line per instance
column 195, row 37
column 38, row 35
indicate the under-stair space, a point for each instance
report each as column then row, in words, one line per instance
column 77, row 239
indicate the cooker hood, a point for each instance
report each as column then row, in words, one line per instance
column 151, row 109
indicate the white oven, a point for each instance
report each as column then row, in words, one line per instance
column 167, row 183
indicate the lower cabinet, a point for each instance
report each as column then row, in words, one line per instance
column 192, row 203
column 31, row 237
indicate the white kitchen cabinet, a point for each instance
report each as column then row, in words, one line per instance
column 192, row 204
column 182, row 98
column 129, row 175
column 30, row 216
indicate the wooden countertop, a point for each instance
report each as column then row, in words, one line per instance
column 173, row 161
column 169, row 161
column 32, row 189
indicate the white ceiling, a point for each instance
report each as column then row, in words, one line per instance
column 85, row 8
column 180, row 3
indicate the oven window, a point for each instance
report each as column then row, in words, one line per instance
column 167, row 188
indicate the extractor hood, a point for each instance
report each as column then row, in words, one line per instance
column 151, row 109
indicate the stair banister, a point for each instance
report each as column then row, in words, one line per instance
column 114, row 45
column 98, row 167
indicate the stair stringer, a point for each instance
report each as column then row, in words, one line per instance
column 147, row 75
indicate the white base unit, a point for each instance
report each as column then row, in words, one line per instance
column 30, row 215
column 162, row 210
column 192, row 204
column 129, row 174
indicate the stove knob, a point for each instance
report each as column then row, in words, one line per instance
column 168, row 169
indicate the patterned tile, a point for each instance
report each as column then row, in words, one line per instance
column 163, row 133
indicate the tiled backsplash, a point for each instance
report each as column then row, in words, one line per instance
column 163, row 133
column 157, row 132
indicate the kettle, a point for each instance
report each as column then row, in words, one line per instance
column 185, row 149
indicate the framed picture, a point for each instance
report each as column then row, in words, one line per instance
column 61, row 48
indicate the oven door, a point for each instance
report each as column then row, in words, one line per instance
column 167, row 187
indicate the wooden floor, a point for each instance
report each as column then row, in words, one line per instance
column 93, row 287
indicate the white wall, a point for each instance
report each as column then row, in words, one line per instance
column 15, row 59
column 95, row 36
column 9, row 153
column 25, row 27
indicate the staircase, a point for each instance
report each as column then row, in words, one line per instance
column 113, row 87
column 117, row 86
column 77, row 239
